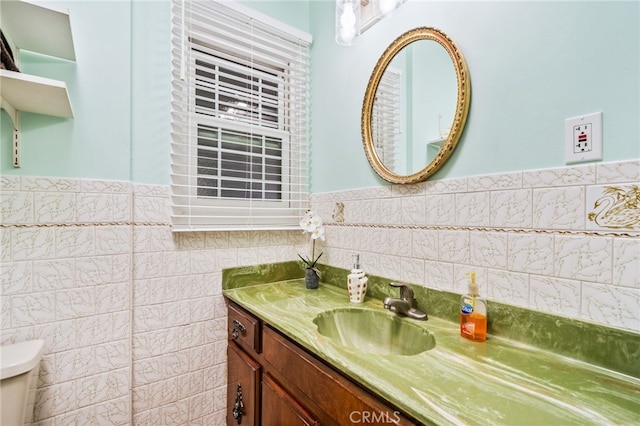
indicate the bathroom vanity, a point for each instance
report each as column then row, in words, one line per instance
column 284, row 370
column 273, row 381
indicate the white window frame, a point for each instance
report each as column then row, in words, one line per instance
column 193, row 212
column 194, row 175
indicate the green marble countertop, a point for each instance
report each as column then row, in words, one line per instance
column 498, row 381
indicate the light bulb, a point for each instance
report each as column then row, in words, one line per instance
column 387, row 6
column 347, row 34
column 348, row 18
column 347, row 23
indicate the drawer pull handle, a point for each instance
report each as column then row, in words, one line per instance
column 237, row 329
column 238, row 407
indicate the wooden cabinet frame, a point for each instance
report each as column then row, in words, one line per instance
column 288, row 385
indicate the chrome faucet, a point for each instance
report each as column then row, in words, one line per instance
column 404, row 305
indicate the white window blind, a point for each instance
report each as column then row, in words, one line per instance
column 385, row 120
column 239, row 123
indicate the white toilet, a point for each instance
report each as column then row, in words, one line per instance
column 19, row 365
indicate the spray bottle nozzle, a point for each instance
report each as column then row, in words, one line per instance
column 356, row 264
column 473, row 286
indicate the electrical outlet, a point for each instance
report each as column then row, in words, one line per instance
column 583, row 138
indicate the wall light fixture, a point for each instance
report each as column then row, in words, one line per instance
column 347, row 21
column 354, row 17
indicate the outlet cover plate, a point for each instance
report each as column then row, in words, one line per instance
column 583, row 138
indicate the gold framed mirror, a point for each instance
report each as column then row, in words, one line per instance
column 415, row 106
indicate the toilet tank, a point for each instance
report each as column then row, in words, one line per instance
column 19, row 366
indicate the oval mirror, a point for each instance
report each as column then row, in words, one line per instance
column 415, row 106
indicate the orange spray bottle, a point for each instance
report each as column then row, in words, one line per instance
column 473, row 313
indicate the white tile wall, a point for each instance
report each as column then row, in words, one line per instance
column 564, row 241
column 65, row 279
column 132, row 314
column 179, row 317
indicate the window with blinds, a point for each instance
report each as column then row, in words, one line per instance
column 239, row 149
column 385, row 118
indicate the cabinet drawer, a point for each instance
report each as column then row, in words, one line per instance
column 333, row 393
column 244, row 328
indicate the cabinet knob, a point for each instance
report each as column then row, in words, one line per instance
column 238, row 407
column 237, row 329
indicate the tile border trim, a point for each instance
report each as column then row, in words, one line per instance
column 631, row 234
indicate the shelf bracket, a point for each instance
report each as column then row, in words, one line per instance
column 15, row 120
column 15, row 148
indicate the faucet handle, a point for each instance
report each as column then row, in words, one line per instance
column 406, row 292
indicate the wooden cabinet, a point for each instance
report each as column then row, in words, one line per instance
column 244, row 329
column 283, row 384
column 243, row 387
column 280, row 408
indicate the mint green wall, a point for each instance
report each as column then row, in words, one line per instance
column 151, row 91
column 96, row 143
column 291, row 12
column 532, row 65
column 120, row 93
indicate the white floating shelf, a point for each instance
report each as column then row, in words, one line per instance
column 436, row 143
column 31, row 93
column 41, row 29
column 433, row 147
column 38, row 28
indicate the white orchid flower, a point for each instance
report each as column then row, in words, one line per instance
column 316, row 220
column 310, row 222
column 306, row 224
column 318, row 233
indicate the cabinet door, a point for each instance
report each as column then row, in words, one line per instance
column 309, row 379
column 243, row 387
column 279, row 408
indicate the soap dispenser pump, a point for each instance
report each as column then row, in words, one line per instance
column 357, row 282
column 473, row 313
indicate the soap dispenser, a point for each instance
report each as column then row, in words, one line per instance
column 473, row 313
column 357, row 282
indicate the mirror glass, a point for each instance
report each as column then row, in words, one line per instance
column 415, row 106
column 426, row 81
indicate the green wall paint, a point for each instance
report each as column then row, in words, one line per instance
column 96, row 143
column 120, row 93
column 151, row 91
column 291, row 12
column 532, row 65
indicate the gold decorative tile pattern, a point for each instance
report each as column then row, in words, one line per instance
column 617, row 207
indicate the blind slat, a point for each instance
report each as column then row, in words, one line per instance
column 239, row 120
column 386, row 121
